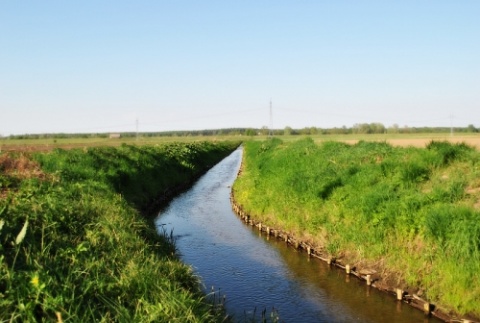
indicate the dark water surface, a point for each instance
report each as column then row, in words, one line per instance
column 256, row 272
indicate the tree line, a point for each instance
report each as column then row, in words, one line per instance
column 358, row 128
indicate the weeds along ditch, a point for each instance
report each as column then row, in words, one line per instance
column 410, row 214
column 77, row 243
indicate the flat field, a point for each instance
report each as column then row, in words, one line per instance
column 48, row 144
column 421, row 140
column 404, row 140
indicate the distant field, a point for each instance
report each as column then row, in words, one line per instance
column 69, row 143
column 416, row 140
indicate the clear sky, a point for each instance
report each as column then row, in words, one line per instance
column 98, row 66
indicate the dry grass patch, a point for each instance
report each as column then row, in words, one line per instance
column 20, row 167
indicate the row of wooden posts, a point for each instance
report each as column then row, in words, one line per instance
column 367, row 275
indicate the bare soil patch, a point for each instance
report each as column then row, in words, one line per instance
column 422, row 142
column 473, row 141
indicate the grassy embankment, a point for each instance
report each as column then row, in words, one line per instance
column 411, row 213
column 75, row 245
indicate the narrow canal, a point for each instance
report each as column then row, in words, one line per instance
column 257, row 273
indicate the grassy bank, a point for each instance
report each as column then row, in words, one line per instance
column 410, row 213
column 75, row 245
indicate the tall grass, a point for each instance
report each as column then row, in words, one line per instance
column 415, row 211
column 75, row 246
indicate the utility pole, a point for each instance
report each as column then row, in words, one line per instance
column 136, row 129
column 451, row 125
column 271, row 119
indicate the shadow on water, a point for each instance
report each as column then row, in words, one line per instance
column 257, row 273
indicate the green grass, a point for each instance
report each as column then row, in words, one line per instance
column 76, row 245
column 415, row 210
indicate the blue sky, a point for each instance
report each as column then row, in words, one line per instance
column 98, row 66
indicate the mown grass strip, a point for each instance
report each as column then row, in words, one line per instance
column 75, row 245
column 410, row 213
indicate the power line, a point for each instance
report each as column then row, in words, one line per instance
column 205, row 116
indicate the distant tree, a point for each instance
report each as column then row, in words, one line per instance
column 471, row 128
column 377, row 127
column 367, row 128
column 361, row 128
column 264, row 131
column 250, row 132
column 287, row 131
column 337, row 131
column 394, row 128
column 305, row 131
column 233, row 132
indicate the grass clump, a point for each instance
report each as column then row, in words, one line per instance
column 411, row 212
column 76, row 246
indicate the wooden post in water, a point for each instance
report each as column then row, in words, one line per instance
column 309, row 251
column 347, row 269
column 369, row 280
column 268, row 231
column 399, row 294
column 426, row 308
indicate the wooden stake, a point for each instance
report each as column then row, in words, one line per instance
column 426, row 308
column 399, row 294
column 369, row 280
column 347, row 269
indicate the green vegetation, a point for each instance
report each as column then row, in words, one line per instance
column 358, row 128
column 412, row 214
column 75, row 245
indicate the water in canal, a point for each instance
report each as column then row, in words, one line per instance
column 257, row 273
